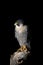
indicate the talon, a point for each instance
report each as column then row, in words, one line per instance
column 23, row 48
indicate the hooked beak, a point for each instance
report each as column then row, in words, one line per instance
column 15, row 24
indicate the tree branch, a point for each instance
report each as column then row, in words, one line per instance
column 18, row 57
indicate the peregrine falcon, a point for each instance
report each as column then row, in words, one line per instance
column 21, row 33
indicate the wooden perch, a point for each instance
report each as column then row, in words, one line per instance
column 19, row 56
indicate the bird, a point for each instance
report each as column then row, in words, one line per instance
column 21, row 33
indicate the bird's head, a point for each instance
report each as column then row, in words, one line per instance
column 18, row 23
column 19, row 26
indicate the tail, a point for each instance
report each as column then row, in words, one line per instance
column 28, row 45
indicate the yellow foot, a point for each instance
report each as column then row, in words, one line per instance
column 22, row 48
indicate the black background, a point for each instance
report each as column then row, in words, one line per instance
column 8, row 43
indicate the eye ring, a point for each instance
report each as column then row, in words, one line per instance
column 18, row 24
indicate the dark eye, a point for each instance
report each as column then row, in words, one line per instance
column 18, row 24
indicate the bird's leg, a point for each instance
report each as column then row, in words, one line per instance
column 22, row 48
